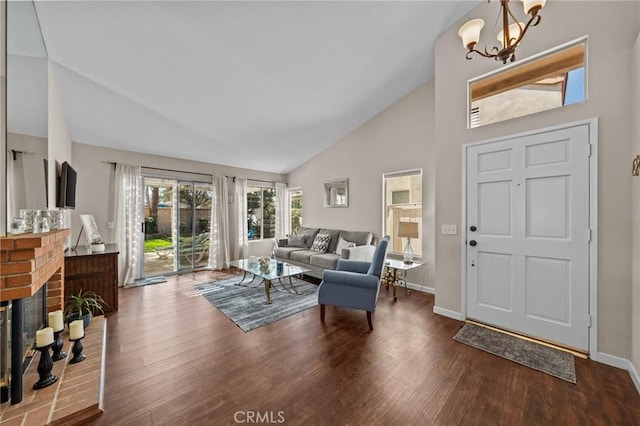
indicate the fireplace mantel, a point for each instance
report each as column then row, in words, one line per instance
column 28, row 261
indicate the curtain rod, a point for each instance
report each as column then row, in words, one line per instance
column 15, row 152
column 194, row 173
column 162, row 169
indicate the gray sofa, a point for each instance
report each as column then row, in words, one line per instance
column 297, row 249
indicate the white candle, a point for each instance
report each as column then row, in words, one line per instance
column 55, row 321
column 44, row 337
column 76, row 330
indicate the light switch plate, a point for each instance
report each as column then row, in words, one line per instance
column 109, row 225
column 449, row 229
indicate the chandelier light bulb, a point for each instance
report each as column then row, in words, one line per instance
column 470, row 32
column 514, row 33
column 530, row 5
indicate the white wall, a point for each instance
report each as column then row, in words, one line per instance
column 59, row 139
column 612, row 28
column 399, row 138
column 3, row 119
column 635, row 211
column 95, row 192
column 35, row 197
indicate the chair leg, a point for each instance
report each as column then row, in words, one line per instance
column 322, row 313
column 369, row 320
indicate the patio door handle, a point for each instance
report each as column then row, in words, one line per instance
column 143, row 227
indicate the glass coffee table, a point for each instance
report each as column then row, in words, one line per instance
column 269, row 275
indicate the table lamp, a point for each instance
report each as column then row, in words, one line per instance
column 408, row 230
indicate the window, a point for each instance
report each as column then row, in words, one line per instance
column 295, row 210
column 261, row 212
column 549, row 80
column 402, row 202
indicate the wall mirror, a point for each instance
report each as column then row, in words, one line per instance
column 553, row 79
column 27, row 110
column 336, row 193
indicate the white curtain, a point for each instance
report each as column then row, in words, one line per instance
column 241, row 247
column 128, row 220
column 282, row 211
column 219, row 248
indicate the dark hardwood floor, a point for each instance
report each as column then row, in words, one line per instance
column 174, row 359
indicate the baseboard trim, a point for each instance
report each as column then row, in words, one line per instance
column 611, row 360
column 618, row 362
column 634, row 376
column 448, row 313
column 421, row 288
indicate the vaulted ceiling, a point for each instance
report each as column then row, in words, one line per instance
column 261, row 85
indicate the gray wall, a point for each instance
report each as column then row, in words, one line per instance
column 427, row 129
column 635, row 212
column 95, row 192
column 399, row 138
column 3, row 119
column 609, row 99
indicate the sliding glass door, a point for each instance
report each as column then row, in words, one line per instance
column 176, row 225
column 193, row 231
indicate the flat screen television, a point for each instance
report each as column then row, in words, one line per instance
column 67, row 187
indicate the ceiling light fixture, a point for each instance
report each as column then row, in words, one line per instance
column 512, row 31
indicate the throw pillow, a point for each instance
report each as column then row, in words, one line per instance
column 321, row 242
column 296, row 241
column 343, row 244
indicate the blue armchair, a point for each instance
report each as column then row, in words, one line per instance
column 354, row 284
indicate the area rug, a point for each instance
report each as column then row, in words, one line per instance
column 539, row 357
column 148, row 281
column 247, row 305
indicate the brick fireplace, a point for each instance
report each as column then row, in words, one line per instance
column 27, row 263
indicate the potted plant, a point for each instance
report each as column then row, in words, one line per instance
column 97, row 245
column 83, row 305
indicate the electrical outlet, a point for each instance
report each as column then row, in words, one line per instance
column 449, row 229
column 109, row 225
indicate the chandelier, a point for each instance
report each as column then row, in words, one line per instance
column 512, row 31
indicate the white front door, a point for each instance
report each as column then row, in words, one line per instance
column 528, row 235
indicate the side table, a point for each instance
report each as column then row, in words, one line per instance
column 396, row 272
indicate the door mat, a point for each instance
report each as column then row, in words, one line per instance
column 539, row 357
column 151, row 280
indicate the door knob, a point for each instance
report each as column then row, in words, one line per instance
column 472, row 228
column 473, row 243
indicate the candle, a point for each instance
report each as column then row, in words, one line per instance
column 44, row 337
column 55, row 321
column 76, row 330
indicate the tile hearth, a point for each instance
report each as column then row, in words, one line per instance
column 76, row 396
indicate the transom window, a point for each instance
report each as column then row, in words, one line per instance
column 552, row 79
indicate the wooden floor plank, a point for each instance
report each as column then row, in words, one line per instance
column 174, row 359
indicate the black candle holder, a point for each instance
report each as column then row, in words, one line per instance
column 44, row 369
column 58, row 353
column 78, row 356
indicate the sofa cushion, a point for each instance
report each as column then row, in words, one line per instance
column 361, row 238
column 302, row 255
column 325, row 260
column 285, row 252
column 309, row 234
column 321, row 242
column 335, row 235
column 297, row 241
column 343, row 244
